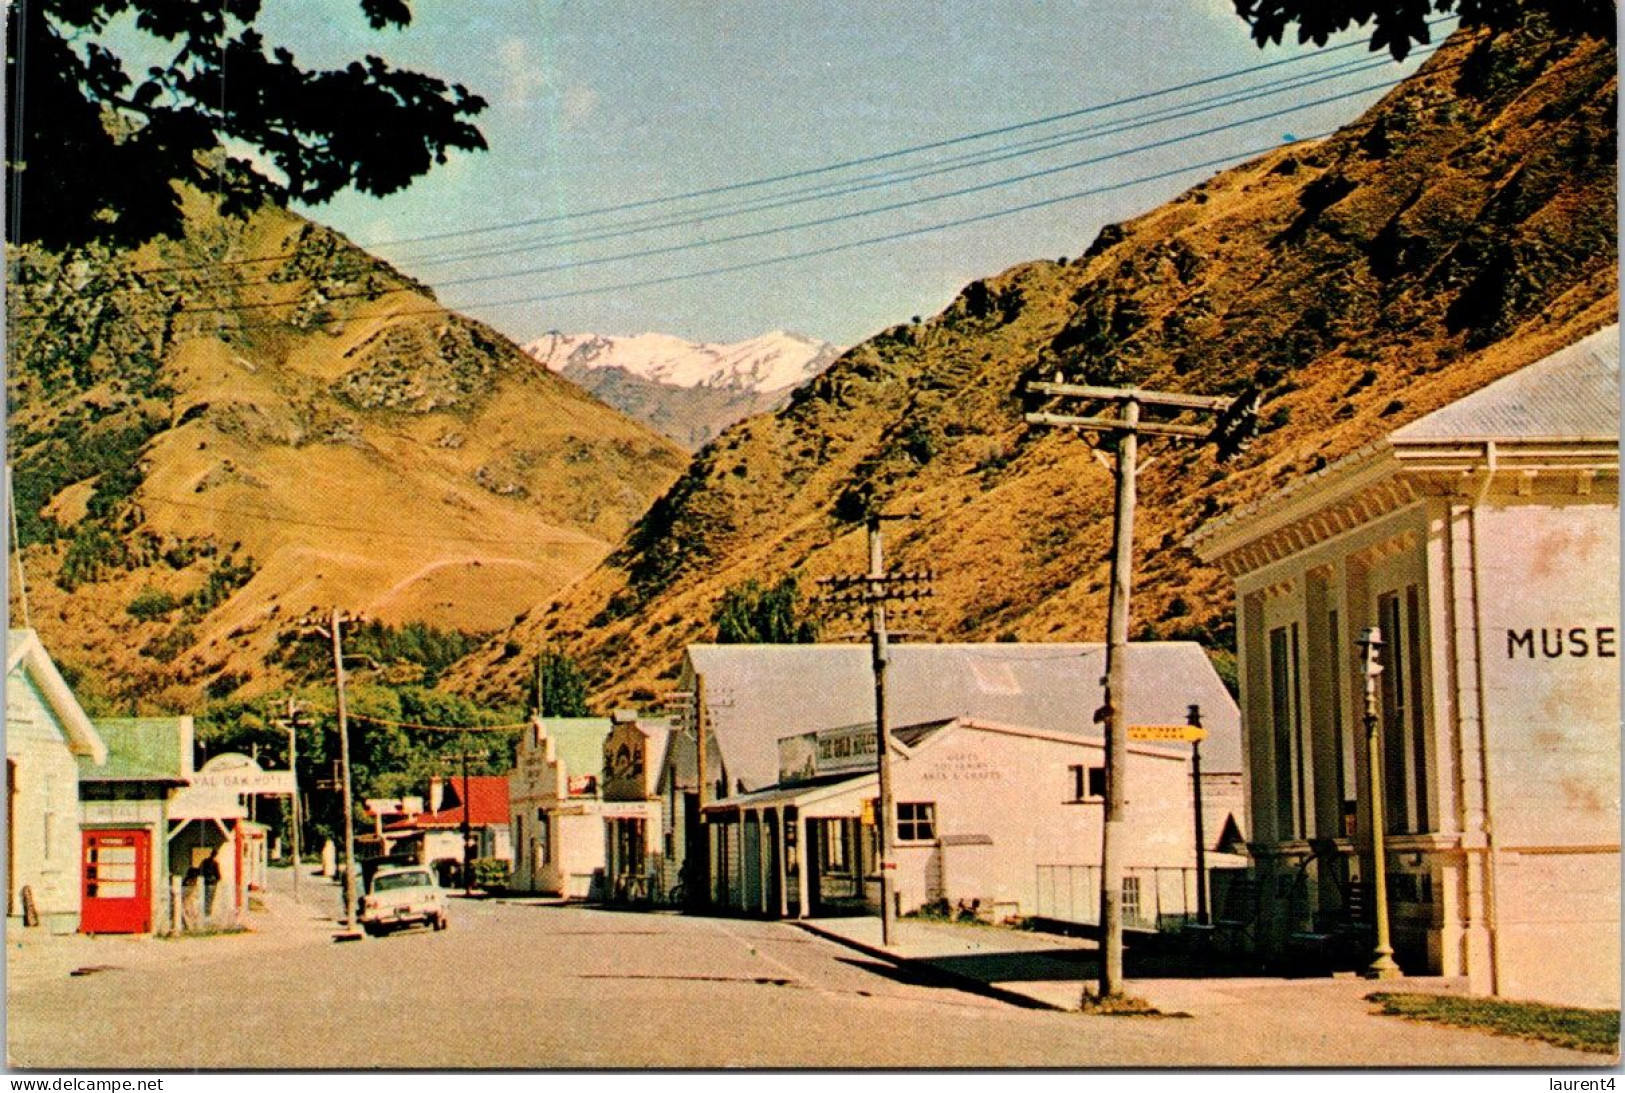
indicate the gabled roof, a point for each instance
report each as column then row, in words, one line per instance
column 26, row 653
column 759, row 693
column 488, row 800
column 578, row 742
column 1571, row 395
column 139, row 749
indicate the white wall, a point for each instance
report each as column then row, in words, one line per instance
column 1017, row 791
column 1549, row 595
column 46, row 809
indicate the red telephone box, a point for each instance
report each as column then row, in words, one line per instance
column 116, row 878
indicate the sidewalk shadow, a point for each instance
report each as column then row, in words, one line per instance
column 1069, row 964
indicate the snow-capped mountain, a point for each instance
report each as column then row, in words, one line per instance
column 769, row 363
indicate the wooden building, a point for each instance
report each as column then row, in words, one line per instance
column 47, row 735
column 757, row 695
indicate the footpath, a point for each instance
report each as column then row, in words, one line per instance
column 1212, row 1017
column 273, row 921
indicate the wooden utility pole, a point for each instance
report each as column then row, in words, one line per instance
column 468, row 840
column 337, row 634
column 1236, row 422
column 871, row 592
column 334, row 631
column 700, row 872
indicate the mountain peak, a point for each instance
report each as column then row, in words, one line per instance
column 771, row 362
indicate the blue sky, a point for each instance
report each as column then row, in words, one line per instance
column 609, row 102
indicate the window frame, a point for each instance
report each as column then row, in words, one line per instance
column 922, row 815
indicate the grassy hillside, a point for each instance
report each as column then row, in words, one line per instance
column 1461, row 229
column 213, row 435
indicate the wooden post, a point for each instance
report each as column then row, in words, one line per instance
column 700, row 871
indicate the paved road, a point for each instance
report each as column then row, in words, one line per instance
column 535, row 986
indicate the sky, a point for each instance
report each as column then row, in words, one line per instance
column 605, row 113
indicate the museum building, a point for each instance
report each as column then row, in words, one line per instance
column 1482, row 543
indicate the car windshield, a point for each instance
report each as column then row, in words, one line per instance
column 402, row 880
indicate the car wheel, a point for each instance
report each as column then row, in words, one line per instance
column 440, row 922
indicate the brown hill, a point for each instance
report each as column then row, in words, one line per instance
column 1463, row 227
column 212, row 436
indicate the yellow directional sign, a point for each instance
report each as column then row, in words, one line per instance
column 1167, row 732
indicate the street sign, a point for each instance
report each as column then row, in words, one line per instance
column 1167, row 732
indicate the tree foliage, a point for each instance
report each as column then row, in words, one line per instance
column 95, row 148
column 1397, row 25
column 751, row 614
column 561, row 688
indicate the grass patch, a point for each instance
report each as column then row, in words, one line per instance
column 1565, row 1026
column 1121, row 1005
column 205, row 931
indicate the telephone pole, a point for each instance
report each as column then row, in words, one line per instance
column 468, row 836
column 872, row 591
column 1236, row 422
column 334, row 631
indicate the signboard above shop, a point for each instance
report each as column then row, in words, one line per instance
column 216, row 790
column 1167, row 733
column 814, row 755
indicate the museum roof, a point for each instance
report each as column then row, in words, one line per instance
column 1572, row 394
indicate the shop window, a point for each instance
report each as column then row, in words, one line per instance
column 1088, row 783
column 1131, row 899
column 544, row 839
column 916, row 821
column 834, row 844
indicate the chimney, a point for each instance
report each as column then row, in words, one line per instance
column 437, row 792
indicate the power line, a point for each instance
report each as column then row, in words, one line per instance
column 772, row 260
column 1028, row 147
column 838, row 218
column 820, row 169
column 830, row 220
column 788, row 176
column 826, row 190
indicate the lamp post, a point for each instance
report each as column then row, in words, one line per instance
column 1383, row 966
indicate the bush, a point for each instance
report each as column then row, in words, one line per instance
column 151, row 604
column 490, row 874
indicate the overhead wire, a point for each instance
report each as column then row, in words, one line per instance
column 375, row 293
column 829, row 190
column 821, row 169
column 967, row 161
column 787, row 176
column 831, row 219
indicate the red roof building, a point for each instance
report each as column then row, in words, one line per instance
column 438, row 832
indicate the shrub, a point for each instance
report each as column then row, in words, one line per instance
column 490, row 874
column 151, row 604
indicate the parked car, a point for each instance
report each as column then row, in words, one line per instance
column 402, row 896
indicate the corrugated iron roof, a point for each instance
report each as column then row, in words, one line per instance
column 759, row 693
column 139, row 749
column 1572, row 394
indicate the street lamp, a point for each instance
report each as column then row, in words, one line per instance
column 1383, row 966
